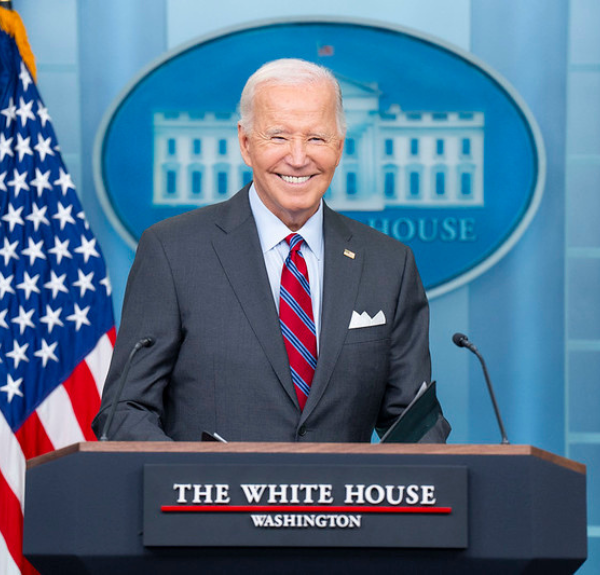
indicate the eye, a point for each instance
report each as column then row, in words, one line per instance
column 316, row 139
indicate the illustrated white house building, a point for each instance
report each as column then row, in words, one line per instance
column 391, row 158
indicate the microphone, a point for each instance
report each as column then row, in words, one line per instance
column 461, row 340
column 144, row 342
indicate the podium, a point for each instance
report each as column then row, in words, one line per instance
column 91, row 508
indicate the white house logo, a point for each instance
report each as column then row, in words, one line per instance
column 440, row 152
column 392, row 158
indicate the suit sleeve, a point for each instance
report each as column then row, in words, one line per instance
column 410, row 362
column 150, row 309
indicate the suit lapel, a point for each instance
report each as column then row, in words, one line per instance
column 238, row 248
column 340, row 287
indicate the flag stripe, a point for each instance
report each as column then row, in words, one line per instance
column 7, row 563
column 83, row 393
column 58, row 418
column 99, row 359
column 11, row 520
column 33, row 438
column 12, row 462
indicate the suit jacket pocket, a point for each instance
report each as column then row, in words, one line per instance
column 363, row 334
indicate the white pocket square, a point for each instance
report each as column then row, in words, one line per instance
column 365, row 320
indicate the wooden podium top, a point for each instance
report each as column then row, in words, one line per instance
column 248, row 447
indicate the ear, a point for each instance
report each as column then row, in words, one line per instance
column 244, row 140
column 340, row 151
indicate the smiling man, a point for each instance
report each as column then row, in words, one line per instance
column 274, row 318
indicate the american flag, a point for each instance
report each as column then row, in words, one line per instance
column 326, row 50
column 56, row 320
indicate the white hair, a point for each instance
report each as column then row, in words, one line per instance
column 288, row 72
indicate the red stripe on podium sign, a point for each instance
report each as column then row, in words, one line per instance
column 300, row 509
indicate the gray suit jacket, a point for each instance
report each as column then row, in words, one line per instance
column 200, row 289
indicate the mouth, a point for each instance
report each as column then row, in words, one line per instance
column 294, row 179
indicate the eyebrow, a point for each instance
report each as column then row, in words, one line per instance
column 275, row 131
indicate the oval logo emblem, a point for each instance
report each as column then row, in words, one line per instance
column 440, row 153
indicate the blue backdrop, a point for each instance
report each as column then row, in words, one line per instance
column 536, row 314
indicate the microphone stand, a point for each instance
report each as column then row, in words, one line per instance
column 462, row 340
column 145, row 342
column 492, row 395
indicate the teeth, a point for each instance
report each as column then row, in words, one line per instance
column 294, row 179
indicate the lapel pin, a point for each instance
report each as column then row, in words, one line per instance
column 349, row 254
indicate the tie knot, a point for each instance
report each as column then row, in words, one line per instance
column 294, row 241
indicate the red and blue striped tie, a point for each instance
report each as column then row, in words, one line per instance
column 297, row 320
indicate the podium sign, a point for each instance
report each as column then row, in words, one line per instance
column 305, row 505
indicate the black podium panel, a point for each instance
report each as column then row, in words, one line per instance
column 84, row 513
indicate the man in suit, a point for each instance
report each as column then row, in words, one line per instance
column 208, row 288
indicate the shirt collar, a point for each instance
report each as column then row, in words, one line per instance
column 272, row 231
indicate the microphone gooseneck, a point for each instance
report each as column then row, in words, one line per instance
column 144, row 342
column 461, row 340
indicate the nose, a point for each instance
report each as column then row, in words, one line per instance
column 297, row 154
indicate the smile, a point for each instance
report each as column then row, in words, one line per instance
column 294, row 179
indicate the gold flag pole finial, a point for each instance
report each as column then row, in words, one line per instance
column 12, row 24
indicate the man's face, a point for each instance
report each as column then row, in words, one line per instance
column 293, row 149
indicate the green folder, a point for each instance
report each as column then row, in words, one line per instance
column 417, row 419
